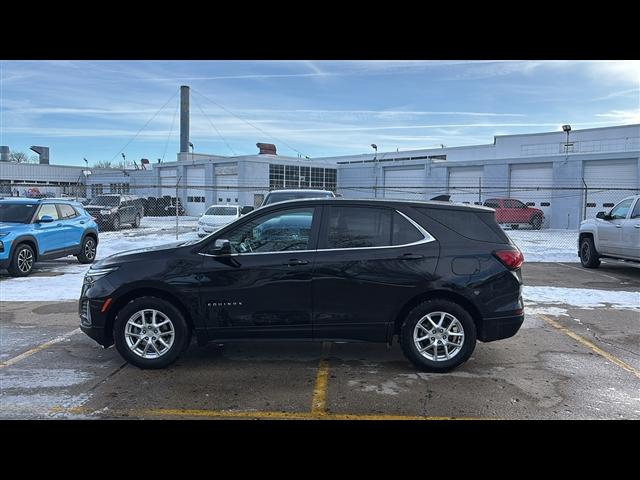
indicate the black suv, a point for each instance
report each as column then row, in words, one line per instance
column 437, row 275
column 112, row 210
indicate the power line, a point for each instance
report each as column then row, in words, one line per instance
column 252, row 125
column 213, row 126
column 173, row 122
column 145, row 125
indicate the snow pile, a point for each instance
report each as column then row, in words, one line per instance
column 585, row 298
column 546, row 245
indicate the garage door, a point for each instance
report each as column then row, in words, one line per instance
column 531, row 184
column 603, row 175
column 404, row 183
column 195, row 204
column 464, row 184
column 168, row 181
column 226, row 182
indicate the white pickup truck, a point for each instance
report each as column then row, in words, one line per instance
column 614, row 235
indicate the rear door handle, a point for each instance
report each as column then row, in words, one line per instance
column 618, row 225
column 637, row 225
column 294, row 263
column 411, row 256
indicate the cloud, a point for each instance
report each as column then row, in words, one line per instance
column 622, row 116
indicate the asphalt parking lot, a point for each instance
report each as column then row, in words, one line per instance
column 583, row 364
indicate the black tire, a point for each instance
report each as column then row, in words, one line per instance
column 115, row 224
column 182, row 334
column 536, row 222
column 136, row 222
column 88, row 250
column 411, row 350
column 22, row 261
column 589, row 257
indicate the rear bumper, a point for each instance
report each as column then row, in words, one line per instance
column 500, row 327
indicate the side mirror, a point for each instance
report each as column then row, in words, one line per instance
column 245, row 210
column 46, row 219
column 221, row 247
column 602, row 215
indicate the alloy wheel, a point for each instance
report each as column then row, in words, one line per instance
column 90, row 249
column 438, row 336
column 149, row 333
column 25, row 260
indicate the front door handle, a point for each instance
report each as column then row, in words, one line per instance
column 618, row 225
column 637, row 225
column 411, row 256
column 294, row 262
column 59, row 225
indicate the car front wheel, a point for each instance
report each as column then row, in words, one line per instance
column 150, row 333
column 536, row 222
column 438, row 335
column 22, row 261
column 588, row 255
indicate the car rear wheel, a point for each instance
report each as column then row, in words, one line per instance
column 150, row 333
column 136, row 222
column 116, row 223
column 588, row 254
column 438, row 335
column 88, row 250
column 22, row 261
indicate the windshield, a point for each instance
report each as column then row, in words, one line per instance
column 17, row 212
column 105, row 200
column 222, row 211
column 284, row 196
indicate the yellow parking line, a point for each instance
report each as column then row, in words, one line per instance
column 179, row 412
column 319, row 400
column 37, row 349
column 591, row 346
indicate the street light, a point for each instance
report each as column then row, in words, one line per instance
column 375, row 167
column 567, row 129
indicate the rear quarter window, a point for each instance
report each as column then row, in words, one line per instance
column 479, row 226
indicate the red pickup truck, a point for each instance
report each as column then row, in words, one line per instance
column 515, row 213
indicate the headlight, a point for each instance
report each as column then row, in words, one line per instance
column 93, row 275
column 105, row 212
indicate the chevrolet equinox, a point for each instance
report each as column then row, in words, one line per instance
column 438, row 276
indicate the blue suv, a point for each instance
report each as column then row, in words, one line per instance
column 32, row 230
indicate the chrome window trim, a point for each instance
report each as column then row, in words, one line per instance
column 427, row 239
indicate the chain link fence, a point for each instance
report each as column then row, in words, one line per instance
column 543, row 220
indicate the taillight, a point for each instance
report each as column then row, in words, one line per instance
column 511, row 259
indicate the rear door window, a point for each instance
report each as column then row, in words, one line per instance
column 358, row 227
column 48, row 209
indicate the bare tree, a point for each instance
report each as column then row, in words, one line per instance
column 21, row 157
column 103, row 164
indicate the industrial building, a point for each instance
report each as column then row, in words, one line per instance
column 570, row 174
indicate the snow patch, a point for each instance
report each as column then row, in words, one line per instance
column 585, row 298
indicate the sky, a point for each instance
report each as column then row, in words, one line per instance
column 100, row 109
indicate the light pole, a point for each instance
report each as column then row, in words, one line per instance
column 375, row 167
column 567, row 129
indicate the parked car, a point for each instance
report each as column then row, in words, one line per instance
column 32, row 230
column 112, row 210
column 611, row 235
column 216, row 217
column 284, row 195
column 438, row 276
column 513, row 212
